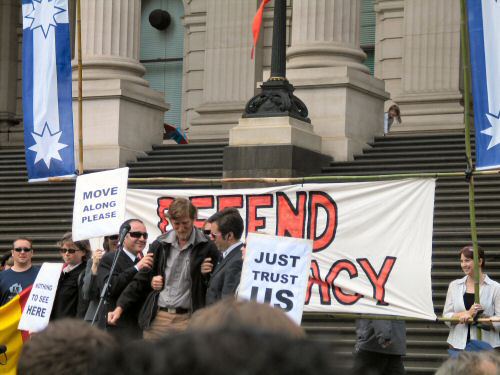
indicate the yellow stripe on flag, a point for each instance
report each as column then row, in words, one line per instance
column 10, row 336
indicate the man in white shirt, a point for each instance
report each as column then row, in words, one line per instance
column 226, row 232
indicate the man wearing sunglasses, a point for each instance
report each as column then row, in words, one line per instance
column 174, row 285
column 226, row 232
column 130, row 261
column 22, row 274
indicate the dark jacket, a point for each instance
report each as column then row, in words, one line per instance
column 90, row 292
column 372, row 334
column 141, row 284
column 68, row 302
column 123, row 275
column 225, row 277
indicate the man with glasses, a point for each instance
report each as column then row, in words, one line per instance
column 226, row 232
column 174, row 286
column 130, row 262
column 22, row 274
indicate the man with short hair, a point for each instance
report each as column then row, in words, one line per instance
column 174, row 285
column 130, row 261
column 22, row 274
column 226, row 232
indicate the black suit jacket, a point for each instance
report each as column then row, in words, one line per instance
column 127, row 326
column 225, row 277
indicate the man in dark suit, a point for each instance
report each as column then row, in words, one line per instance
column 129, row 262
column 226, row 232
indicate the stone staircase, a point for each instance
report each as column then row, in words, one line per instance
column 43, row 212
column 417, row 153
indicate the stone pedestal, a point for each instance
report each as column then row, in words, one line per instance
column 345, row 103
column 9, row 21
column 229, row 73
column 122, row 116
column 430, row 97
column 346, row 107
column 274, row 131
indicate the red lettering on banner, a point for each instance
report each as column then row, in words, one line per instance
column 379, row 280
column 290, row 220
column 224, row 201
column 163, row 205
column 350, row 268
column 320, row 200
column 315, row 279
column 202, row 202
column 254, row 202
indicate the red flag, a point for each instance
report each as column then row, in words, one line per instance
column 257, row 23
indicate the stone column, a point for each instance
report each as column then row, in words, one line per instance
column 122, row 116
column 230, row 75
column 9, row 21
column 389, row 44
column 325, row 66
column 430, row 96
column 326, row 33
column 194, row 57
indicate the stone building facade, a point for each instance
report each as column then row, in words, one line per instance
column 416, row 64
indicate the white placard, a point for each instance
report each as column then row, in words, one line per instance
column 275, row 272
column 36, row 313
column 100, row 200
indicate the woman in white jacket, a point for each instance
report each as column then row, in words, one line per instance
column 460, row 303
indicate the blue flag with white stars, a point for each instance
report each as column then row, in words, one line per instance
column 47, row 89
column 484, row 33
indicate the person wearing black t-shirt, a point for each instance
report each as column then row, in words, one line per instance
column 21, row 275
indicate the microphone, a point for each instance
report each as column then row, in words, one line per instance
column 123, row 232
column 3, row 349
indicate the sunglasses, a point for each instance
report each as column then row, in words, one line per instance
column 22, row 249
column 69, row 251
column 114, row 237
column 138, row 235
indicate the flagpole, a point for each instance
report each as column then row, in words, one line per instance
column 470, row 167
column 80, row 89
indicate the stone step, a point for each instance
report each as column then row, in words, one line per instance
column 389, row 161
column 174, row 168
column 187, row 163
column 204, row 173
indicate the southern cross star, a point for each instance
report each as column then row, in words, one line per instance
column 494, row 130
column 47, row 146
column 43, row 15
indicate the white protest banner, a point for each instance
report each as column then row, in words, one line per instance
column 372, row 241
column 99, row 207
column 36, row 313
column 275, row 271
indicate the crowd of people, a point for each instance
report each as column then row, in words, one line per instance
column 179, row 296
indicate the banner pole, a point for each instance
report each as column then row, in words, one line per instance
column 295, row 180
column 337, row 316
column 470, row 167
column 80, row 88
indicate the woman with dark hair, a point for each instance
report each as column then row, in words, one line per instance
column 460, row 303
column 69, row 301
column 90, row 290
column 392, row 117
